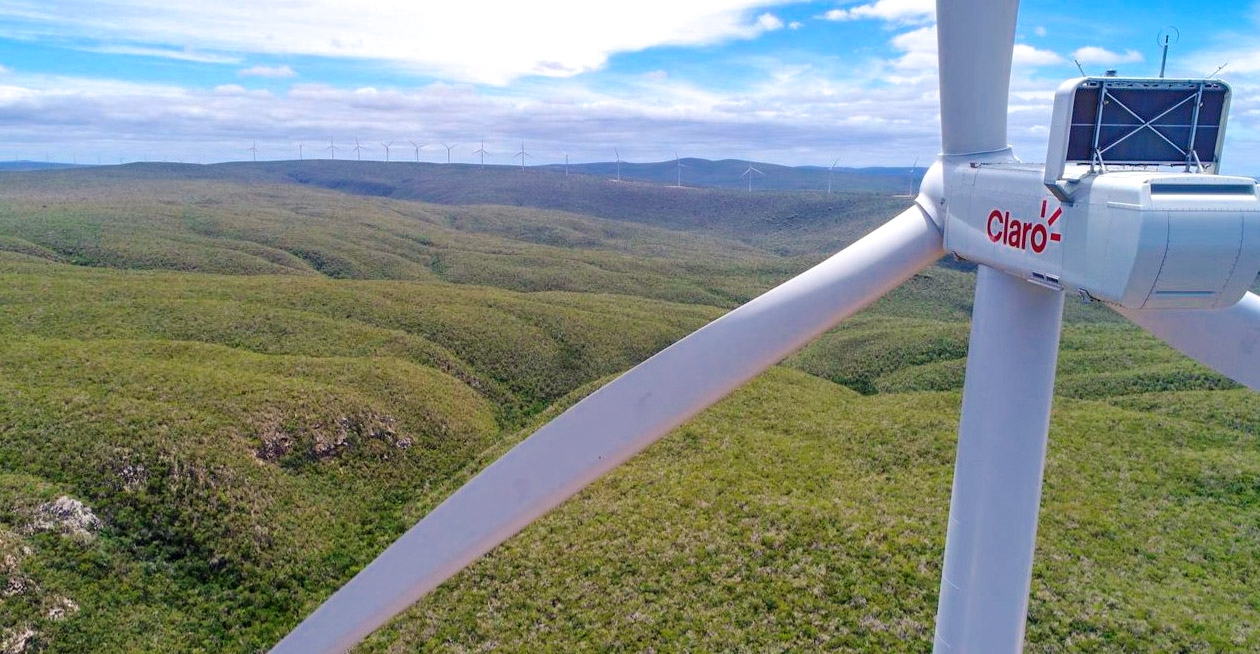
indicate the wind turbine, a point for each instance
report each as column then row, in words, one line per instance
column 357, row 150
column 750, row 173
column 387, row 146
column 253, row 150
column 566, row 164
column 522, row 154
column 618, row 153
column 678, row 164
column 417, row 146
column 1178, row 262
column 332, row 149
column 300, row 155
column 448, row 150
column 829, row 171
column 481, row 151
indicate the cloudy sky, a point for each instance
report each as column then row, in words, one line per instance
column 780, row 81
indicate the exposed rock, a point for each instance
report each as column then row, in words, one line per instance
column 61, row 608
column 67, row 516
column 12, row 551
column 134, row 476
column 16, row 584
column 325, row 438
column 17, row 640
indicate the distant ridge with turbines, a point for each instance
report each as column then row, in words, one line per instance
column 676, row 172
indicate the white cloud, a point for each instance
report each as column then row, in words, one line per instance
column 918, row 47
column 1026, row 55
column 769, row 22
column 455, row 40
column 165, row 53
column 5, row 70
column 267, row 71
column 893, row 11
column 1103, row 57
column 1039, row 30
column 795, row 25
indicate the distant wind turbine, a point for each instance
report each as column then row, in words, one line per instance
column 679, row 165
column 829, row 171
column 566, row 164
column 750, row 173
column 253, row 149
column 522, row 154
column 618, row 153
column 386, row 146
column 482, row 152
column 332, row 149
column 357, row 149
column 300, row 155
column 417, row 146
column 448, row 150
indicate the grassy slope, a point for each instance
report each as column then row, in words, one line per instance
column 799, row 515
column 787, row 223
column 250, row 440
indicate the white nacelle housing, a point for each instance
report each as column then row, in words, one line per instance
column 1138, row 239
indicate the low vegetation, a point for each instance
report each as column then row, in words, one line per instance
column 220, row 398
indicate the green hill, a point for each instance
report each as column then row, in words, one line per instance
column 787, row 223
column 221, row 397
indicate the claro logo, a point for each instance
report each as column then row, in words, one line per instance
column 1022, row 235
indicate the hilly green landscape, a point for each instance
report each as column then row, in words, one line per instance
column 224, row 389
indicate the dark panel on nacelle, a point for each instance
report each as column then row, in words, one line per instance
column 1146, row 122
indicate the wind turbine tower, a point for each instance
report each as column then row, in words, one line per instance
column 300, row 156
column 618, row 154
column 417, row 146
column 750, row 173
column 829, row 171
column 522, row 154
column 357, row 149
column 481, row 152
column 387, row 146
column 678, row 164
column 448, row 150
column 253, row 150
column 332, row 149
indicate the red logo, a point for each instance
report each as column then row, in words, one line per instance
column 1022, row 235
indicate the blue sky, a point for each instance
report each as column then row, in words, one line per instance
column 786, row 82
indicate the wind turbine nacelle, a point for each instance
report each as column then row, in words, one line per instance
column 1137, row 239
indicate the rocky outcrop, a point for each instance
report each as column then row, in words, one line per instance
column 67, row 516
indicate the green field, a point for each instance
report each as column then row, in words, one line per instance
column 256, row 383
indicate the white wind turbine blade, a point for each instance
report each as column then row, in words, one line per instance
column 615, row 423
column 975, row 40
column 1226, row 340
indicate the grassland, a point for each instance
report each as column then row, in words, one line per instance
column 255, row 385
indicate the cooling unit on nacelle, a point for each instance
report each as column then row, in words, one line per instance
column 1128, row 209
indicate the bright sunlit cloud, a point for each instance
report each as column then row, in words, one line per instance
column 787, row 81
column 465, row 41
column 274, row 72
column 1104, row 57
column 897, row 11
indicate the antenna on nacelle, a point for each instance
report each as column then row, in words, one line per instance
column 1162, row 40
